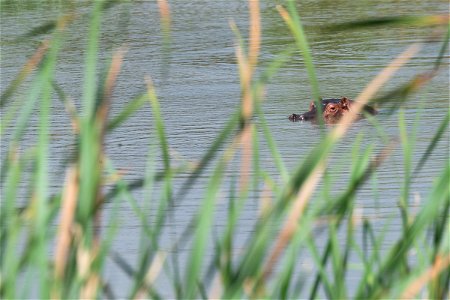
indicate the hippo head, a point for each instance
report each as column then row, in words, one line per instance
column 334, row 111
column 312, row 113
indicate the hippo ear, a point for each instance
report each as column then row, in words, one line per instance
column 345, row 103
column 312, row 105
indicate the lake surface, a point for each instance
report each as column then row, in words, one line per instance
column 200, row 90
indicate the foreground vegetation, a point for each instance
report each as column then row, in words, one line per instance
column 70, row 261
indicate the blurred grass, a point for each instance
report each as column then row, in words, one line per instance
column 266, row 266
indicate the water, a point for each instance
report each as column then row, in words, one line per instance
column 201, row 90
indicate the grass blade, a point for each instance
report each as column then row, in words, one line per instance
column 422, row 21
column 89, row 135
column 201, row 232
column 293, row 21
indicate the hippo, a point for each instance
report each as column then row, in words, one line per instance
column 332, row 110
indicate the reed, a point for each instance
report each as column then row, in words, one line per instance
column 267, row 266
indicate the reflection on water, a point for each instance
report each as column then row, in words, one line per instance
column 202, row 90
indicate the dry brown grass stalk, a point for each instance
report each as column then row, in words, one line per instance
column 31, row 64
column 246, row 77
column 291, row 223
column 247, row 111
column 27, row 68
column 101, row 122
column 441, row 263
column 85, row 260
column 68, row 208
column 284, row 14
column 152, row 274
column 116, row 63
column 216, row 288
column 164, row 12
column 246, row 156
column 247, row 66
column 90, row 289
column 255, row 33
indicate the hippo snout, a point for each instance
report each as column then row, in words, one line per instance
column 302, row 117
column 296, row 117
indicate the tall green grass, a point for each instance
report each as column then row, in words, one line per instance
column 267, row 265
